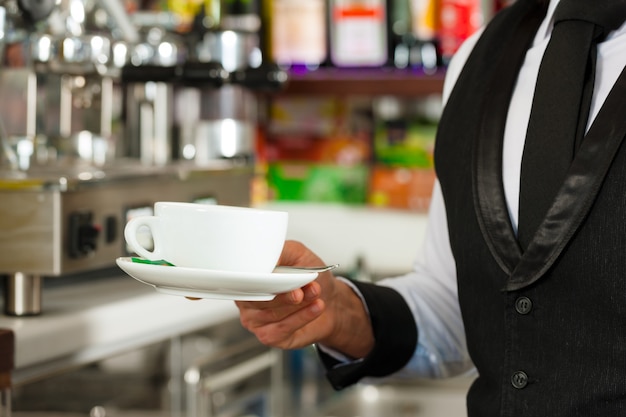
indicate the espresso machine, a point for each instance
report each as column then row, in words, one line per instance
column 214, row 80
column 118, row 115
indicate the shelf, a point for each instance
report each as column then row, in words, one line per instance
column 365, row 82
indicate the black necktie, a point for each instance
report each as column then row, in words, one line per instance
column 560, row 107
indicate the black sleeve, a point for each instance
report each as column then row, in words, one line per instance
column 395, row 334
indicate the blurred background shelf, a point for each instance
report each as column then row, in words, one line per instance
column 364, row 81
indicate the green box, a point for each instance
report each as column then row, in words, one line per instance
column 402, row 143
column 318, row 182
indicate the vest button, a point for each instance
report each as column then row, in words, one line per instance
column 523, row 305
column 519, row 379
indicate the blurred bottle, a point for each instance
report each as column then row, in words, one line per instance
column 186, row 10
column 414, row 26
column 358, row 33
column 424, row 18
column 297, row 32
column 458, row 19
column 241, row 15
column 399, row 32
column 237, row 15
column 427, row 52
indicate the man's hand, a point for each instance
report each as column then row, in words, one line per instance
column 325, row 311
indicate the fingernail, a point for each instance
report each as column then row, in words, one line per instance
column 311, row 292
column 315, row 308
column 293, row 296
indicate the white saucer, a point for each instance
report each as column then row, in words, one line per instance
column 206, row 283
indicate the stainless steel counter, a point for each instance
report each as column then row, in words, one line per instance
column 92, row 320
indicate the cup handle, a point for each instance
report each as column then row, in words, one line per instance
column 130, row 234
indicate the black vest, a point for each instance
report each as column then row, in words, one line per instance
column 553, row 345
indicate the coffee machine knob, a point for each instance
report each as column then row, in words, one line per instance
column 82, row 234
column 87, row 238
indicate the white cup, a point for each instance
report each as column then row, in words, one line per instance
column 222, row 238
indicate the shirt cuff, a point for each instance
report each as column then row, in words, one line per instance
column 395, row 335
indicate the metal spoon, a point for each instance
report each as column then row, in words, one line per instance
column 286, row 268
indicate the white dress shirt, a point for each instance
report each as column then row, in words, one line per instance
column 430, row 289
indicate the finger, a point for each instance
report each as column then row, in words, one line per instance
column 312, row 291
column 292, row 251
column 287, row 333
column 296, row 253
column 290, row 298
column 307, row 292
column 260, row 313
column 252, row 318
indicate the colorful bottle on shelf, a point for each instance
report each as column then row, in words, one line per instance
column 399, row 32
column 358, row 33
column 297, row 32
column 424, row 15
column 425, row 52
column 240, row 15
column 458, row 19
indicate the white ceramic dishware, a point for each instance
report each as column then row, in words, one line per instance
column 221, row 285
column 215, row 237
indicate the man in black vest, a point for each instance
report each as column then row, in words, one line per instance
column 524, row 270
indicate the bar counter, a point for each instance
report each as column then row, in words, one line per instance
column 92, row 320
